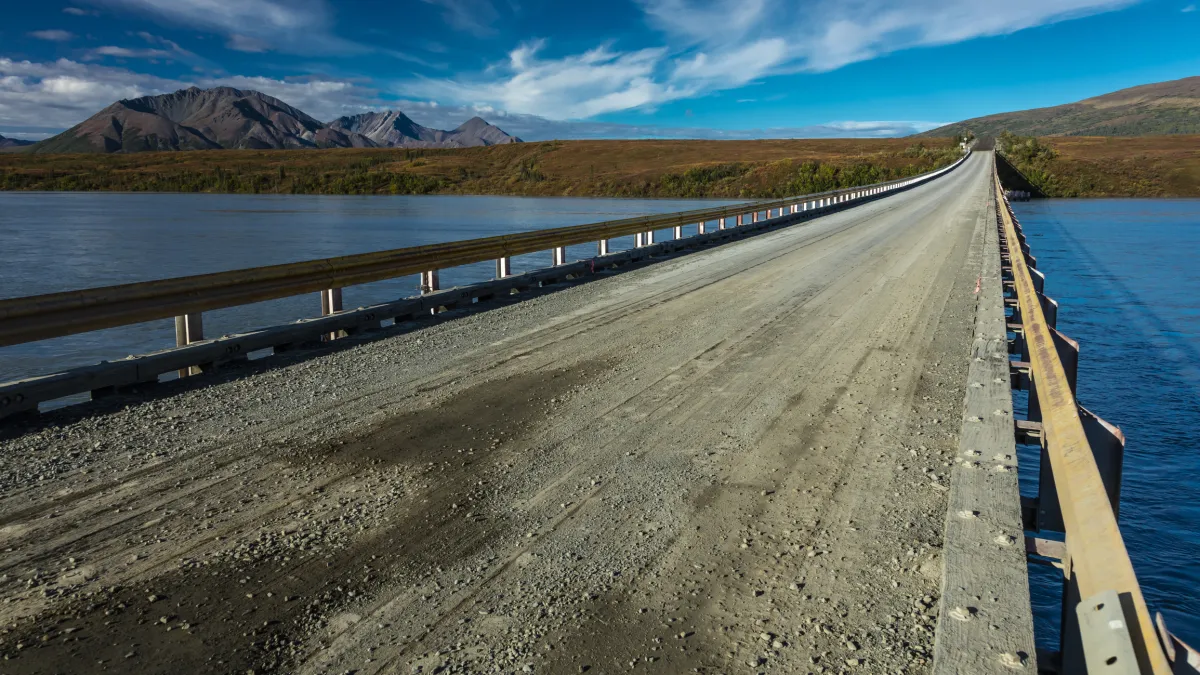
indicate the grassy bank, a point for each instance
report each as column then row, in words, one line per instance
column 735, row 169
column 1094, row 166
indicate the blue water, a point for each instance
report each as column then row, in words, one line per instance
column 1126, row 275
column 57, row 241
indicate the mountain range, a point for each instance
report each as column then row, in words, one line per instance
column 395, row 130
column 227, row 118
column 1148, row 110
column 13, row 142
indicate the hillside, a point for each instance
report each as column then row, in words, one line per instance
column 1151, row 109
column 1094, row 166
column 394, row 129
column 734, row 169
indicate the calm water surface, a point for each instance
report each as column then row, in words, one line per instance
column 1126, row 274
column 67, row 241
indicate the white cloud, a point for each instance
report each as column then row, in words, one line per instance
column 535, row 128
column 53, row 35
column 60, row 94
column 583, row 85
column 1189, row 9
column 76, row 11
column 715, row 45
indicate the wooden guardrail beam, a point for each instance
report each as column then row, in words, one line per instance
column 1096, row 554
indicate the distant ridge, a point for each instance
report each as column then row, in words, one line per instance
column 228, row 118
column 13, row 142
column 394, row 129
column 1147, row 110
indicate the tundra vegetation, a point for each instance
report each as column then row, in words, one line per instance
column 651, row 168
column 1107, row 166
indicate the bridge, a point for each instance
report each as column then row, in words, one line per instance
column 780, row 439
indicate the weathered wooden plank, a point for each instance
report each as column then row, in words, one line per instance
column 986, row 624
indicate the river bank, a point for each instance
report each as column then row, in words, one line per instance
column 648, row 168
column 1093, row 166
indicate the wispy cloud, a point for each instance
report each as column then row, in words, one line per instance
column 1189, row 9
column 162, row 49
column 716, row 45
column 291, row 26
column 53, row 35
column 473, row 16
column 536, row 128
column 76, row 11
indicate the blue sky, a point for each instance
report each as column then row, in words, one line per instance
column 622, row 68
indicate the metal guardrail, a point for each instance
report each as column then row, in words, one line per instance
column 1106, row 624
column 41, row 317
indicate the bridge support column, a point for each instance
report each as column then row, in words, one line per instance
column 503, row 267
column 189, row 328
column 559, row 255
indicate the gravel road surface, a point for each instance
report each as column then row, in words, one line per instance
column 733, row 461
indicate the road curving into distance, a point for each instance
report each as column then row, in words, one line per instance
column 734, row 460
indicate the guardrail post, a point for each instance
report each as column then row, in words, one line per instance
column 430, row 282
column 559, row 255
column 602, row 247
column 678, row 232
column 331, row 303
column 1108, row 447
column 754, row 217
column 721, row 224
column 701, row 227
column 739, row 219
column 504, row 267
column 189, row 328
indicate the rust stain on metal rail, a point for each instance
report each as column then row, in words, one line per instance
column 1095, row 549
column 53, row 315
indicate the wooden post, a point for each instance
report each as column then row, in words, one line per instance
column 721, row 224
column 189, row 328
column 739, row 219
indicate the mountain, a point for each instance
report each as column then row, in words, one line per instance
column 394, row 129
column 199, row 119
column 1149, row 110
column 13, row 142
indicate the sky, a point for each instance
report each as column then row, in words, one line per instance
column 545, row 69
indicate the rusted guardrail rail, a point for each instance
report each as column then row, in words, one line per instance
column 1106, row 625
column 42, row 317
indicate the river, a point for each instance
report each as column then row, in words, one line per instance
column 67, row 241
column 1125, row 275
